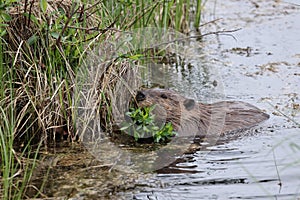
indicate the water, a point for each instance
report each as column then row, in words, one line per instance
column 243, row 169
column 260, row 66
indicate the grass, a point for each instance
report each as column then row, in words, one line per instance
column 16, row 167
column 42, row 45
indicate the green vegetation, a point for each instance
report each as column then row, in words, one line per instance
column 41, row 47
column 143, row 125
column 16, row 166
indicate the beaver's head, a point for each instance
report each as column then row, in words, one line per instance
column 169, row 106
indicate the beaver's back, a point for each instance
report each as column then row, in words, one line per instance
column 238, row 115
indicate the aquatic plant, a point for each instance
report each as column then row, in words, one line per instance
column 143, row 125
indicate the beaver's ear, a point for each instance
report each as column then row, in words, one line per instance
column 189, row 104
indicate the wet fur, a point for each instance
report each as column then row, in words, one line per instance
column 189, row 116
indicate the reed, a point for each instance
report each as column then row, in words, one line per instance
column 198, row 14
column 16, row 166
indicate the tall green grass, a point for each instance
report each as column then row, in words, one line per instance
column 198, row 14
column 16, row 167
column 159, row 13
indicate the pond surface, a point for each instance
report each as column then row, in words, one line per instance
column 259, row 64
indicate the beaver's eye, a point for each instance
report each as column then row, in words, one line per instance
column 140, row 96
column 164, row 96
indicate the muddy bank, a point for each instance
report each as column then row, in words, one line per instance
column 71, row 172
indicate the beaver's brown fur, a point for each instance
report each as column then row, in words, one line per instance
column 188, row 116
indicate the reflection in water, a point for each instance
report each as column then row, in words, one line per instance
column 243, row 169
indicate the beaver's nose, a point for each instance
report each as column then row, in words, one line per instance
column 140, row 96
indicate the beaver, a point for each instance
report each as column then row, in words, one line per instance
column 191, row 117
